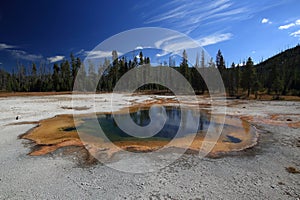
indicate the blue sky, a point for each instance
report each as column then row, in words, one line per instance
column 49, row 30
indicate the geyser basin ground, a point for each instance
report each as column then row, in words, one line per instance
column 61, row 131
column 259, row 172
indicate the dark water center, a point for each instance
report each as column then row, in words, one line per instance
column 177, row 123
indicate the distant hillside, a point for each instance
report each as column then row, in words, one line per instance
column 281, row 73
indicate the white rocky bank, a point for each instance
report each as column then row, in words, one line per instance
column 257, row 173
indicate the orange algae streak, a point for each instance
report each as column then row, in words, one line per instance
column 49, row 135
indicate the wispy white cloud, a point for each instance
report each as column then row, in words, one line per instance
column 174, row 44
column 160, row 54
column 80, row 52
column 215, row 38
column 98, row 54
column 139, row 47
column 19, row 54
column 4, row 46
column 178, row 43
column 188, row 16
column 287, row 26
column 295, row 34
column 142, row 47
column 172, row 14
column 162, row 42
column 55, row 59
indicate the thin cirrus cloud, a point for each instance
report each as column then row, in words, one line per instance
column 295, row 34
column 55, row 59
column 98, row 54
column 192, row 16
column 95, row 54
column 4, row 46
column 19, row 54
column 142, row 47
column 287, row 26
column 187, row 16
column 177, row 43
column 215, row 38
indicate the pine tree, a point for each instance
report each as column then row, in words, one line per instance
column 220, row 63
column 248, row 76
column 56, row 78
column 74, row 69
column 232, row 80
column 9, row 84
column 141, row 57
column 65, row 76
column 202, row 59
column 33, row 78
column 277, row 84
column 184, row 67
column 197, row 64
column 80, row 83
column 237, row 77
column 92, row 77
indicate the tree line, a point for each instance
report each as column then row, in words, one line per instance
column 42, row 78
column 278, row 75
